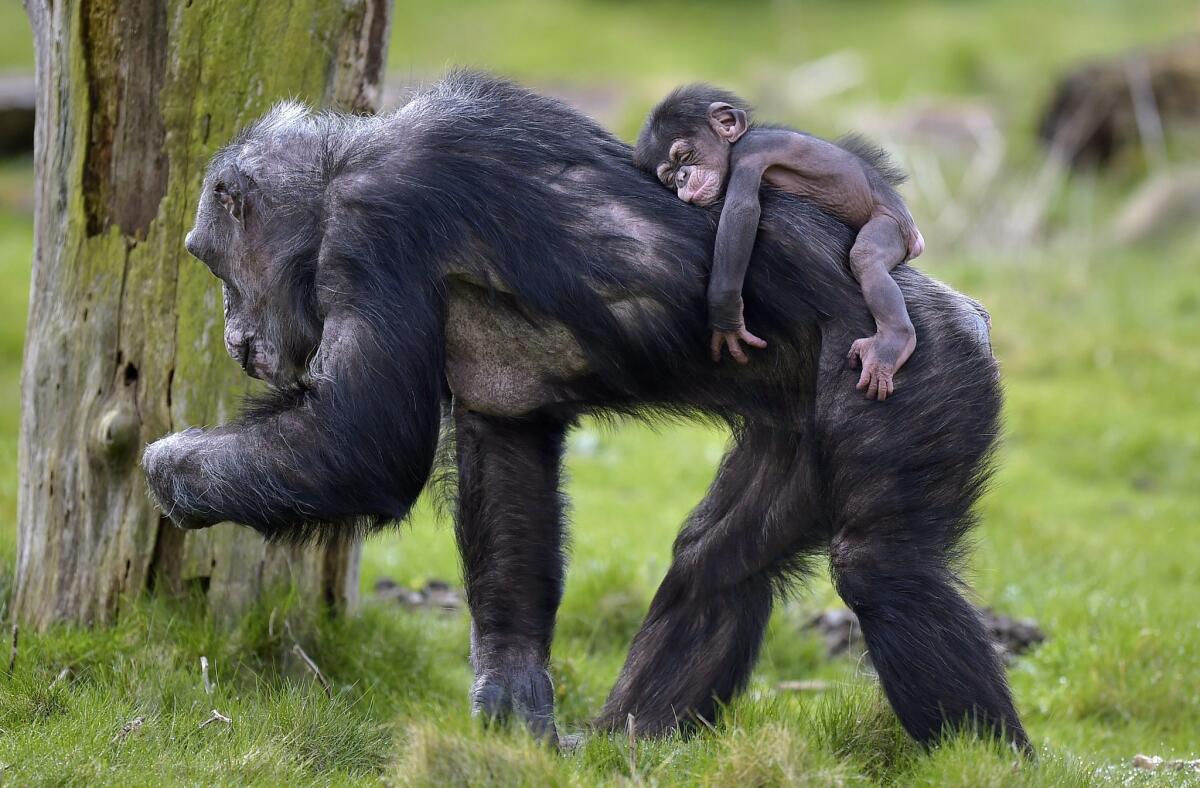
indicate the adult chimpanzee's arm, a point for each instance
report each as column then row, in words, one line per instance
column 356, row 445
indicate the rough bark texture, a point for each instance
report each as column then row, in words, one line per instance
column 124, row 341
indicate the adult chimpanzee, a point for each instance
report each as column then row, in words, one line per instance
column 494, row 243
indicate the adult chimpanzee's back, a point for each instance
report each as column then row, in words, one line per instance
column 496, row 241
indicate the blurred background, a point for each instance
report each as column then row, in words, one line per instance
column 1054, row 154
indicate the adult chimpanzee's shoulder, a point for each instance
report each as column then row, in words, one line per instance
column 481, row 86
column 478, row 107
column 468, row 89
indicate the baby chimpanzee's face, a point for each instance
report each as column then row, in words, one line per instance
column 697, row 165
column 696, row 168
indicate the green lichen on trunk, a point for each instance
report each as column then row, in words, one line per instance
column 124, row 337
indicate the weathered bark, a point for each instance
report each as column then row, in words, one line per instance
column 124, row 340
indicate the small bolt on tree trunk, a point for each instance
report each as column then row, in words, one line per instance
column 124, row 339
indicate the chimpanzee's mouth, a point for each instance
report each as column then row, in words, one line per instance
column 705, row 192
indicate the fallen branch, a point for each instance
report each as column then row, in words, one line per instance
column 204, row 675
column 62, row 674
column 133, row 726
column 312, row 666
column 706, row 723
column 216, row 716
column 307, row 660
column 1154, row 763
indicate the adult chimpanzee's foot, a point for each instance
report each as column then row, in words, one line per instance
column 521, row 689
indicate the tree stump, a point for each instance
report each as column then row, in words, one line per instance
column 124, row 340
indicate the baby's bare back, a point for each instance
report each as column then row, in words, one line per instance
column 852, row 180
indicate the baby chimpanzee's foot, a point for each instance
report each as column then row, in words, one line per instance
column 881, row 357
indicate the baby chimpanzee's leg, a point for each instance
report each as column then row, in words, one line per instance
column 880, row 247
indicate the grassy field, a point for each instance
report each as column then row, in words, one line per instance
column 1091, row 527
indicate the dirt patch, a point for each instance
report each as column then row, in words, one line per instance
column 842, row 635
column 435, row 595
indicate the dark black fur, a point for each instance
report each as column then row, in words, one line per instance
column 384, row 208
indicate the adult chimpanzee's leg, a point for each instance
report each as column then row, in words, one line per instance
column 509, row 527
column 927, row 643
column 745, row 540
column 896, row 535
column 900, row 485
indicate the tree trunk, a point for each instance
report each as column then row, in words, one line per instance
column 124, row 341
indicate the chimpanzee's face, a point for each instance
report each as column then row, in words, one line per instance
column 696, row 167
column 271, row 324
column 697, row 164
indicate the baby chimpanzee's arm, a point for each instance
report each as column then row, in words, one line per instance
column 735, row 243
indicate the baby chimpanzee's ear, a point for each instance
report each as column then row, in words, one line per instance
column 729, row 122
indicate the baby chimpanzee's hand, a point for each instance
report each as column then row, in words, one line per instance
column 733, row 339
column 729, row 327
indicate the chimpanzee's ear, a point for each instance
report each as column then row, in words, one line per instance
column 729, row 122
column 230, row 198
column 231, row 190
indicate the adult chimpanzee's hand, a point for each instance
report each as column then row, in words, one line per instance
column 171, row 464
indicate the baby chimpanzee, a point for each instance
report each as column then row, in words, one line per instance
column 689, row 143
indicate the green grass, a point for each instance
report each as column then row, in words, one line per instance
column 1091, row 527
